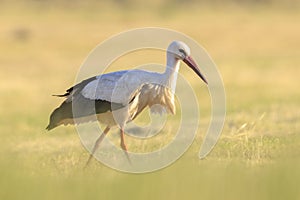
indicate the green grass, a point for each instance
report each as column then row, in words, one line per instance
column 257, row 52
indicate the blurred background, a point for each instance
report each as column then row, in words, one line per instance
column 255, row 44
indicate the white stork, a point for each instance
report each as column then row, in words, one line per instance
column 117, row 98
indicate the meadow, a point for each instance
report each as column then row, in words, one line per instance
column 256, row 48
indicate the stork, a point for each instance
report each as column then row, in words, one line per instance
column 119, row 97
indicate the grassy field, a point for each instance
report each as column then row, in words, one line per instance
column 257, row 50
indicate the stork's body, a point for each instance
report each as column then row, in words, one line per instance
column 118, row 97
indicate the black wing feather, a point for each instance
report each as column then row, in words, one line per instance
column 77, row 88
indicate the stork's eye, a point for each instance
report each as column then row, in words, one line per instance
column 183, row 52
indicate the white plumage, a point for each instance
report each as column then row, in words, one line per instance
column 119, row 86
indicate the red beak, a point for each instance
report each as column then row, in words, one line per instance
column 192, row 64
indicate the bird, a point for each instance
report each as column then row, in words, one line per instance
column 117, row 98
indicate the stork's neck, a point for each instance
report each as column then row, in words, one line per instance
column 171, row 72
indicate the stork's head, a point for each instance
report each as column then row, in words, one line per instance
column 182, row 52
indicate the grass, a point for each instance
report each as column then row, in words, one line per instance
column 257, row 51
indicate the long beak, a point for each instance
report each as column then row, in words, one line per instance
column 192, row 64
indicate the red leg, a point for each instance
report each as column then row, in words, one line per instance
column 97, row 143
column 123, row 145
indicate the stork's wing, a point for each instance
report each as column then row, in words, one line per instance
column 103, row 87
column 118, row 87
column 76, row 88
column 81, row 107
column 96, row 87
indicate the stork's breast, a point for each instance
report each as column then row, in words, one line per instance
column 160, row 99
